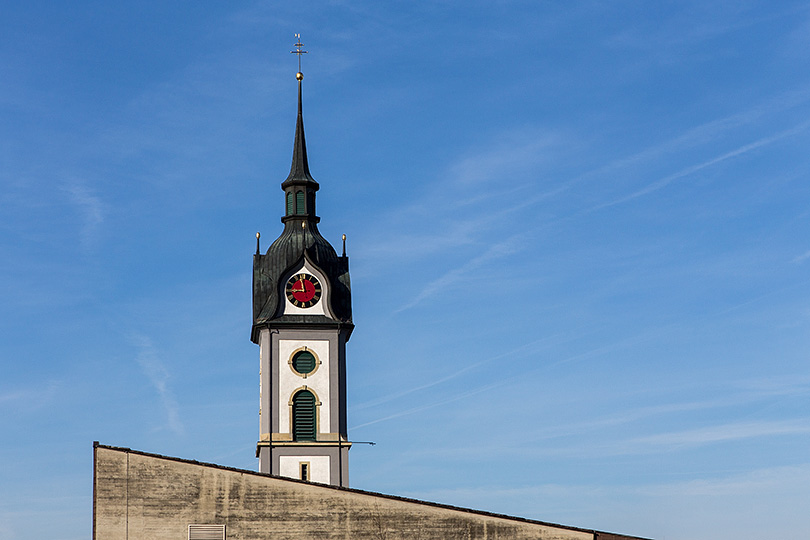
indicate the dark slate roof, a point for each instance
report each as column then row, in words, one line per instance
column 597, row 535
column 285, row 254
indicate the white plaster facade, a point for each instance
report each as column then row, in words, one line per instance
column 290, row 466
column 316, row 382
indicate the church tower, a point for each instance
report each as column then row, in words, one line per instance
column 302, row 319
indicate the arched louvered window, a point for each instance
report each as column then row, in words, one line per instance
column 304, row 416
column 289, row 203
column 304, row 362
column 299, row 203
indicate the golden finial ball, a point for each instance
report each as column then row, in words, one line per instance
column 299, row 76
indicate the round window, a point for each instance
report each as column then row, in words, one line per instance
column 303, row 362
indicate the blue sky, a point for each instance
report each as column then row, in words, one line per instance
column 579, row 237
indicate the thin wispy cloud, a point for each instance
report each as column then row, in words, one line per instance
column 32, row 398
column 505, row 160
column 758, row 480
column 432, row 405
column 470, row 213
column 510, row 157
column 795, row 384
column 91, row 211
column 526, row 152
column 681, row 440
column 16, row 395
column 155, row 370
column 658, row 444
column 537, row 444
column 540, row 363
column 663, row 182
column 701, row 135
column 453, row 277
column 636, row 414
column 763, row 480
column 463, row 229
column 468, row 367
column 709, row 132
column 511, row 378
column 801, row 258
column 783, row 388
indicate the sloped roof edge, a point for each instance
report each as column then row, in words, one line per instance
column 598, row 535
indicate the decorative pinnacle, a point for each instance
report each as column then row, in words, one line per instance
column 299, row 52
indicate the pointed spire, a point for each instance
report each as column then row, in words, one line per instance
column 299, row 187
column 300, row 167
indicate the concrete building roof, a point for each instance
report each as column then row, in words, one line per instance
column 144, row 495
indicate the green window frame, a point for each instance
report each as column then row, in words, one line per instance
column 303, row 412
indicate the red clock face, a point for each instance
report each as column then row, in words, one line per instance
column 303, row 290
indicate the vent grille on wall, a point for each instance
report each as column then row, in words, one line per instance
column 304, row 362
column 206, row 532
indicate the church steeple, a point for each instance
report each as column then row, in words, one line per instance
column 302, row 319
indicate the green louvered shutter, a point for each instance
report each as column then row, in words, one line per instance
column 299, row 202
column 289, row 203
column 304, row 416
column 304, row 362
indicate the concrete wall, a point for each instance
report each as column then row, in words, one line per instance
column 140, row 496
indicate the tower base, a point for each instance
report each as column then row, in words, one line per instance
column 324, row 463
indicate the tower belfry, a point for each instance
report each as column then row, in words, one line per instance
column 302, row 319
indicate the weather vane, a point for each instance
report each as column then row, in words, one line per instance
column 298, row 50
